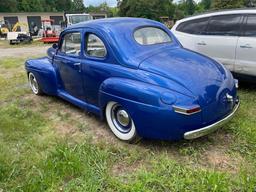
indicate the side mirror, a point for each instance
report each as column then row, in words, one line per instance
column 51, row 52
column 54, row 46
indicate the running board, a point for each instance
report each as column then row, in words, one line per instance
column 88, row 107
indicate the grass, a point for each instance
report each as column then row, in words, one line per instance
column 47, row 144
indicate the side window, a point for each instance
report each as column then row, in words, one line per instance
column 196, row 26
column 95, row 46
column 250, row 27
column 71, row 44
column 228, row 25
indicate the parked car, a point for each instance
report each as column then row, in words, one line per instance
column 227, row 36
column 134, row 73
column 18, row 37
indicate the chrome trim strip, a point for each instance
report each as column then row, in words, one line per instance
column 210, row 128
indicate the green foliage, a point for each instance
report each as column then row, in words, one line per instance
column 41, row 5
column 227, row 4
column 190, row 7
column 155, row 9
column 206, row 4
column 203, row 6
column 8, row 6
column 104, row 8
column 130, row 8
column 250, row 3
column 25, row 122
column 78, row 5
column 146, row 8
column 167, row 175
column 35, row 156
column 70, row 168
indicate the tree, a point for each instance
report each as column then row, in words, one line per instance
column 78, row 5
column 190, row 7
column 63, row 5
column 146, row 8
column 49, row 5
column 206, row 4
column 103, row 8
column 250, row 3
column 30, row 5
column 227, row 4
column 8, row 6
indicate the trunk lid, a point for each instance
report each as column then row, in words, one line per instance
column 206, row 79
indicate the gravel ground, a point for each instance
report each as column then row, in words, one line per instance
column 23, row 51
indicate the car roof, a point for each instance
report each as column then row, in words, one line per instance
column 114, row 23
column 119, row 32
column 220, row 12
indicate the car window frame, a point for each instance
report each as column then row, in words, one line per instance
column 240, row 25
column 246, row 16
column 152, row 26
column 61, row 43
column 85, row 46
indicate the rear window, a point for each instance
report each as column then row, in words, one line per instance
column 151, row 36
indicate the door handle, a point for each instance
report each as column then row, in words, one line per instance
column 247, row 46
column 201, row 43
column 78, row 65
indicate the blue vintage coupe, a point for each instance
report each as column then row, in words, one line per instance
column 135, row 73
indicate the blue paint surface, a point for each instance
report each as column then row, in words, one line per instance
column 146, row 80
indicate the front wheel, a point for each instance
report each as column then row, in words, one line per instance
column 34, row 84
column 120, row 122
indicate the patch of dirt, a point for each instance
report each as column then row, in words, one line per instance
column 64, row 129
column 219, row 159
column 23, row 51
column 69, row 119
column 124, row 169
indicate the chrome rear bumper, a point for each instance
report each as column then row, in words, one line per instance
column 210, row 128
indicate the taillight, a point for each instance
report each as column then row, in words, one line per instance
column 187, row 111
column 236, row 83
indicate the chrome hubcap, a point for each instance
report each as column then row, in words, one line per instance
column 121, row 118
column 33, row 83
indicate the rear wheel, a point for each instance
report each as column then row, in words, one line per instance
column 120, row 122
column 33, row 83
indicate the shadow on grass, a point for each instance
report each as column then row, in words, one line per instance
column 145, row 143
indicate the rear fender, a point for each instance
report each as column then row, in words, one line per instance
column 145, row 105
column 129, row 90
column 140, row 92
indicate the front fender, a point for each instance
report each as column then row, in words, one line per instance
column 45, row 74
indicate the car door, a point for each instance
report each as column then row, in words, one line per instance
column 96, row 65
column 220, row 39
column 68, row 64
column 189, row 32
column 246, row 48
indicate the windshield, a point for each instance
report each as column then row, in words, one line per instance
column 79, row 18
column 151, row 36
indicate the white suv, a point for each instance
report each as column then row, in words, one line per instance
column 227, row 36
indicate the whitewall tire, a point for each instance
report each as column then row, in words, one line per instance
column 33, row 83
column 120, row 122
